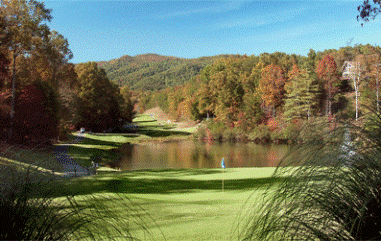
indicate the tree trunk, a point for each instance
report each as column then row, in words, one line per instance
column 13, row 94
column 378, row 105
column 356, row 93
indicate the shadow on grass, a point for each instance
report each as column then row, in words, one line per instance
column 90, row 141
column 169, row 171
column 144, row 121
column 101, row 156
column 161, row 133
column 153, row 186
column 128, row 135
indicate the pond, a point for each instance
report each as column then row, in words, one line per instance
column 197, row 154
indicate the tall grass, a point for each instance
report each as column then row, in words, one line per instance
column 32, row 207
column 334, row 192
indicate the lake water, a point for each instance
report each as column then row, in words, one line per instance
column 196, row 154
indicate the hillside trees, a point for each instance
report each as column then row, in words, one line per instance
column 222, row 90
column 374, row 78
column 252, row 97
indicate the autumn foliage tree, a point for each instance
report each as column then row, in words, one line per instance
column 127, row 108
column 326, row 72
column 271, row 86
column 36, row 118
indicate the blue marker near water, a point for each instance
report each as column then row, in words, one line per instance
column 223, row 167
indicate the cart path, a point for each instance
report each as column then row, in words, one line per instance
column 70, row 167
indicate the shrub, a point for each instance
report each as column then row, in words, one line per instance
column 260, row 133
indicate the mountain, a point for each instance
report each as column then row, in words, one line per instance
column 154, row 72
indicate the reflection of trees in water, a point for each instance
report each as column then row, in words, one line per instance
column 127, row 151
column 192, row 154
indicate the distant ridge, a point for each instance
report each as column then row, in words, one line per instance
column 153, row 71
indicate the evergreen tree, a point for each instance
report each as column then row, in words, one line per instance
column 302, row 92
column 100, row 99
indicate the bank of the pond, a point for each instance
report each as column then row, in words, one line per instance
column 102, row 148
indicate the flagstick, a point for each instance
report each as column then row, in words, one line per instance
column 223, row 184
column 223, row 179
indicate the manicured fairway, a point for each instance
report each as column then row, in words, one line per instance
column 187, row 204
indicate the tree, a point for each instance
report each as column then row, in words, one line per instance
column 326, row 72
column 100, row 99
column 252, row 98
column 302, row 91
column 36, row 118
column 271, row 86
column 54, row 51
column 23, row 27
column 4, row 64
column 376, row 83
column 368, row 10
column 127, row 109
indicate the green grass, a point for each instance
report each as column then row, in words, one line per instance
column 186, row 204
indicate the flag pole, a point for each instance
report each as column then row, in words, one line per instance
column 223, row 167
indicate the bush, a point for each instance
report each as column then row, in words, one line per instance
column 216, row 130
column 201, row 132
column 261, row 133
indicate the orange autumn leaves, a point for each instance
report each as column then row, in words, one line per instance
column 271, row 86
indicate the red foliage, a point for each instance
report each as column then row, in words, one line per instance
column 326, row 71
column 272, row 123
column 34, row 122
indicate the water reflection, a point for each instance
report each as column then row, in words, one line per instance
column 195, row 154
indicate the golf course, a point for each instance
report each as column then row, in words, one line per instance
column 167, row 204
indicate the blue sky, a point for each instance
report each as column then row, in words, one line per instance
column 103, row 30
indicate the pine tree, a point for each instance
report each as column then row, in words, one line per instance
column 302, row 92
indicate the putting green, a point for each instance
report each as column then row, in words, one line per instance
column 186, row 204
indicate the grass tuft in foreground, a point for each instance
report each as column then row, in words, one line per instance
column 29, row 212
column 334, row 195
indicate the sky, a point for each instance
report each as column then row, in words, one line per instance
column 100, row 30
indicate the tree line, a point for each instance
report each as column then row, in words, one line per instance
column 242, row 92
column 42, row 95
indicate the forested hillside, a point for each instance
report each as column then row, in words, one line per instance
column 269, row 93
column 154, row 72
